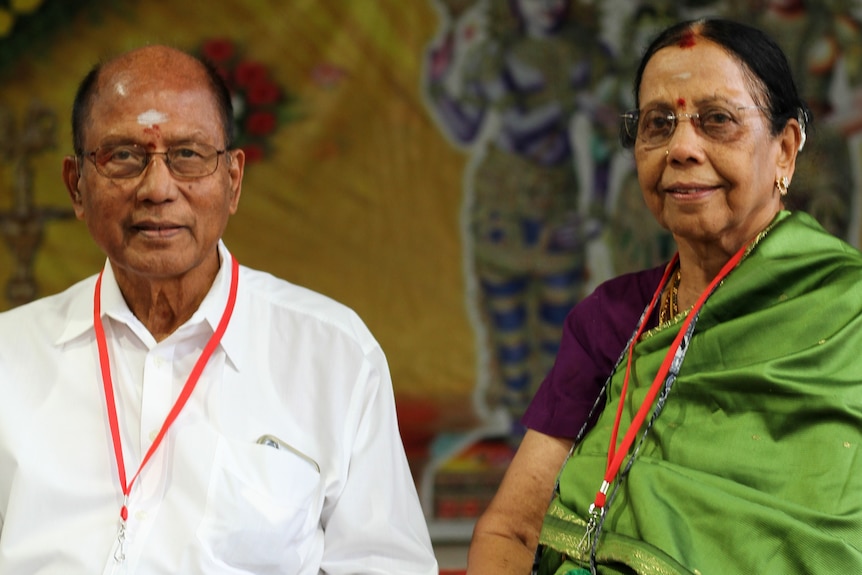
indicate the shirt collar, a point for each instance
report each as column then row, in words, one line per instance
column 213, row 306
column 80, row 315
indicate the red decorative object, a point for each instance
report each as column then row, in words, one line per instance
column 260, row 104
column 260, row 123
column 218, row 51
column 263, row 93
column 249, row 74
column 253, row 153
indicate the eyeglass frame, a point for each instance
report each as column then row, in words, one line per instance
column 148, row 155
column 627, row 140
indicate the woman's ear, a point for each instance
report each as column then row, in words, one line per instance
column 790, row 141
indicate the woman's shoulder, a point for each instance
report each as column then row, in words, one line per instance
column 629, row 291
column 614, row 306
column 798, row 245
column 624, row 285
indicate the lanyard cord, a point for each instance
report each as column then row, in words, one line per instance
column 664, row 379
column 186, row 392
column 613, row 442
column 616, row 456
column 600, row 400
column 676, row 364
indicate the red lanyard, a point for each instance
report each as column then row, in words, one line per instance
column 616, row 456
column 189, row 386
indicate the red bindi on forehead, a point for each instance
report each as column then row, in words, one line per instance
column 680, row 102
column 687, row 41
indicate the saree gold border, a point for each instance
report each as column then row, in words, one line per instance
column 563, row 531
column 640, row 560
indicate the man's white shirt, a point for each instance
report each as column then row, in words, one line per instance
column 286, row 458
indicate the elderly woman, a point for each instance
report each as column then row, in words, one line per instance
column 721, row 392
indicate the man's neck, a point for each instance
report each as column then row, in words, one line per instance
column 164, row 304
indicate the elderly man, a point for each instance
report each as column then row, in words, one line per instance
column 179, row 413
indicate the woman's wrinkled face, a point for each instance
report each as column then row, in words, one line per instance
column 713, row 187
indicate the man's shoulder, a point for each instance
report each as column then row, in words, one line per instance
column 55, row 306
column 280, row 292
column 281, row 300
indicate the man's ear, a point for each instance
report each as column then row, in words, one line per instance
column 236, row 168
column 71, row 178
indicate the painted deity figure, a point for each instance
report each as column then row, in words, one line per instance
column 823, row 40
column 522, row 86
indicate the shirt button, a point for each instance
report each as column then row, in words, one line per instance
column 153, row 435
column 141, row 515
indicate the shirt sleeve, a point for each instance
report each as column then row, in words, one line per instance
column 375, row 524
column 594, row 335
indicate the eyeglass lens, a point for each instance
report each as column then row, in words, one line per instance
column 128, row 161
column 656, row 126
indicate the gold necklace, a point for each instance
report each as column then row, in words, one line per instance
column 669, row 308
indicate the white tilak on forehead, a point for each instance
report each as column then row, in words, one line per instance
column 682, row 76
column 152, row 117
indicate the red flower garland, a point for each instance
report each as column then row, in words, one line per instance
column 260, row 105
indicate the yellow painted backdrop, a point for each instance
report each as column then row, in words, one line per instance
column 358, row 199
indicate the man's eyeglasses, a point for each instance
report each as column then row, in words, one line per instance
column 130, row 160
column 655, row 126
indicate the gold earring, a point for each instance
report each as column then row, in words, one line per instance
column 667, row 152
column 781, row 184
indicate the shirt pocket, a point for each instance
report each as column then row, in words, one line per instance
column 260, row 513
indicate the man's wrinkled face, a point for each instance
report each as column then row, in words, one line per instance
column 156, row 224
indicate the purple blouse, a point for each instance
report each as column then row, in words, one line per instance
column 595, row 332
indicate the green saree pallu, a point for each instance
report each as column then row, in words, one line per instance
column 753, row 464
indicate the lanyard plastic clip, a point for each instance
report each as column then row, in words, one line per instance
column 120, row 551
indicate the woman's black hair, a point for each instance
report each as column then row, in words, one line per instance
column 763, row 60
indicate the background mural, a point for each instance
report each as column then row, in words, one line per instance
column 527, row 89
column 448, row 168
column 531, row 92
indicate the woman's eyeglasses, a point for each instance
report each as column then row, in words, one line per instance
column 655, row 126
